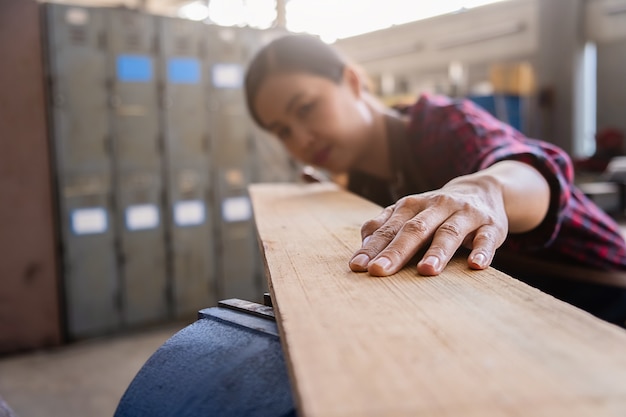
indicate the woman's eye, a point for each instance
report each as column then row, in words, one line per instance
column 305, row 109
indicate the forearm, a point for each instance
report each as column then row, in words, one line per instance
column 525, row 192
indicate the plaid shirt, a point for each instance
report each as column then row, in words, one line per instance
column 449, row 138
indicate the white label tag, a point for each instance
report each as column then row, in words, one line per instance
column 189, row 213
column 88, row 221
column 236, row 209
column 227, row 76
column 142, row 217
column 77, row 17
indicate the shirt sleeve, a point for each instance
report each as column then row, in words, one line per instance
column 457, row 137
column 555, row 166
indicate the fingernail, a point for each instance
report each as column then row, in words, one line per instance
column 432, row 261
column 480, row 259
column 383, row 263
column 367, row 239
column 361, row 260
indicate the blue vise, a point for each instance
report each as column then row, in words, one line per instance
column 228, row 363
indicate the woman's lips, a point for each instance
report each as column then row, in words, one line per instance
column 320, row 157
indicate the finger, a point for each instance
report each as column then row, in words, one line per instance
column 446, row 240
column 372, row 225
column 374, row 243
column 309, row 179
column 311, row 175
column 411, row 238
column 485, row 244
column 394, row 217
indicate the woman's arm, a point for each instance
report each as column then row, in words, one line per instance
column 475, row 210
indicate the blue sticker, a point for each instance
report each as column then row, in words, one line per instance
column 134, row 68
column 183, row 71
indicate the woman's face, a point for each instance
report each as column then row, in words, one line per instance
column 320, row 122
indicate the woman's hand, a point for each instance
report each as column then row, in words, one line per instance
column 476, row 211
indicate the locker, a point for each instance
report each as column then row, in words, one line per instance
column 187, row 165
column 231, row 152
column 76, row 61
column 137, row 156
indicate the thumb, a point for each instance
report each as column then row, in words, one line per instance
column 311, row 175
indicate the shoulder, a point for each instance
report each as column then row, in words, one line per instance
column 432, row 107
column 442, row 115
column 429, row 102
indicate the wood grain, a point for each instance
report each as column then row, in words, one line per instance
column 464, row 343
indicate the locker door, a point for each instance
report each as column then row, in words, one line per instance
column 238, row 266
column 80, row 135
column 137, row 162
column 188, row 169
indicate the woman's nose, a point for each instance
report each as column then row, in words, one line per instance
column 303, row 137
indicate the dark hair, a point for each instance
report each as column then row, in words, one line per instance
column 292, row 53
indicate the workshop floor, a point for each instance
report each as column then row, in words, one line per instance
column 83, row 379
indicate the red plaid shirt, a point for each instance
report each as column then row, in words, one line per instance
column 449, row 138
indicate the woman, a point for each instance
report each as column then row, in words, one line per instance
column 449, row 173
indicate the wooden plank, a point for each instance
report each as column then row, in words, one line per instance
column 464, row 343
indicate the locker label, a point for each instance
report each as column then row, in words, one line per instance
column 189, row 213
column 142, row 217
column 183, row 71
column 236, row 209
column 227, row 75
column 89, row 221
column 76, row 16
column 134, row 68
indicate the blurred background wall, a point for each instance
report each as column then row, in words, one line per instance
column 30, row 300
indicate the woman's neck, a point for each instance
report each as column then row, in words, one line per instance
column 375, row 159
